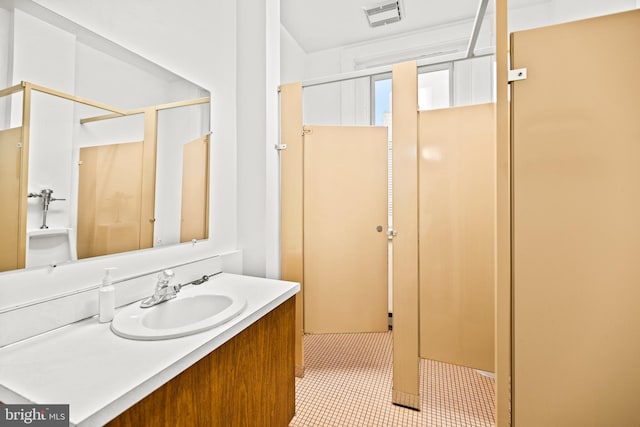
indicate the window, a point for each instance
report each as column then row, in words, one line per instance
column 381, row 100
column 435, row 90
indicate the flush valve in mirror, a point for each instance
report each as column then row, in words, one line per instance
column 46, row 199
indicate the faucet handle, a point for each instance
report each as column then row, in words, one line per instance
column 165, row 276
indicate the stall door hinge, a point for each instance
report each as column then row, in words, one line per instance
column 281, row 147
column 517, row 74
column 306, row 131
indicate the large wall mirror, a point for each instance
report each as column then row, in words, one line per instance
column 101, row 150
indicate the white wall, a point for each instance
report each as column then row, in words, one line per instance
column 251, row 111
column 43, row 54
column 103, row 77
column 50, row 157
column 321, row 105
column 473, row 81
column 571, row 10
column 258, row 67
column 6, row 32
column 536, row 15
column 551, row 12
column 292, row 58
column 272, row 179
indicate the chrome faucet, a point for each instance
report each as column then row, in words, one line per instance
column 164, row 290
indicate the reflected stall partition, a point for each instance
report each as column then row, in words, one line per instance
column 13, row 170
column 100, row 197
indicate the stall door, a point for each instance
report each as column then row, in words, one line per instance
column 457, row 227
column 345, row 245
column 195, row 190
column 576, row 224
column 109, row 199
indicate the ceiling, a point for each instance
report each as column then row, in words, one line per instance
column 324, row 24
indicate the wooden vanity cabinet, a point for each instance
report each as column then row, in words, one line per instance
column 248, row 381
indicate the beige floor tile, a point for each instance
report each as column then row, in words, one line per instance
column 348, row 380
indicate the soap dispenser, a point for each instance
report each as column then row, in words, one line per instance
column 106, row 297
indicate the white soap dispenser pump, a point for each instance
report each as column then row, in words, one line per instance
column 106, row 297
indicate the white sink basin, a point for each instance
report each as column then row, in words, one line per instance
column 183, row 315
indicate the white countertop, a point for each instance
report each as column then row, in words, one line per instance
column 100, row 375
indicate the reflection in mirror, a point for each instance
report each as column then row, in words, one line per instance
column 101, row 150
column 183, row 193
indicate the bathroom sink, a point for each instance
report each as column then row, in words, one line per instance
column 183, row 315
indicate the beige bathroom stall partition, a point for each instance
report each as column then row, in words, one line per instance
column 576, row 224
column 457, row 227
column 503, row 221
column 195, row 190
column 11, row 257
column 406, row 357
column 345, row 213
column 148, row 191
column 109, row 199
column 291, row 203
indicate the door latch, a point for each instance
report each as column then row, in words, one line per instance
column 391, row 233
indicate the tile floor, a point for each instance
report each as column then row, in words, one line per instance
column 348, row 380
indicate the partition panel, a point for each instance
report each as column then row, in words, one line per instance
column 576, row 227
column 10, row 162
column 24, row 174
column 148, row 161
column 406, row 359
column 345, row 212
column 194, row 218
column 109, row 199
column 291, row 216
column 503, row 222
column 457, row 230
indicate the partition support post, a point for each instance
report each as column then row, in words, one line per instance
column 24, row 174
column 406, row 359
column 147, row 211
column 291, row 203
column 503, row 225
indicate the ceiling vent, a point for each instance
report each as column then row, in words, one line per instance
column 383, row 14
